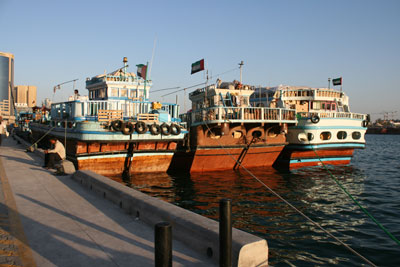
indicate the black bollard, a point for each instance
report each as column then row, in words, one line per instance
column 225, row 233
column 163, row 244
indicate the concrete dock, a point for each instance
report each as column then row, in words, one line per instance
column 49, row 220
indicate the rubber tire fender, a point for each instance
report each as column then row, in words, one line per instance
column 141, row 127
column 165, row 129
column 175, row 129
column 315, row 119
column 116, row 125
column 155, row 129
column 127, row 128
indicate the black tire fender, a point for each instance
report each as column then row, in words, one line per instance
column 141, row 127
column 116, row 125
column 315, row 119
column 155, row 129
column 127, row 128
column 175, row 129
column 165, row 129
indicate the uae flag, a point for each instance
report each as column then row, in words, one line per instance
column 337, row 81
column 142, row 70
column 198, row 66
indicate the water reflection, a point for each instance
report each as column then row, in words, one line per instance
column 292, row 239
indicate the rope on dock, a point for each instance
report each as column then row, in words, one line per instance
column 355, row 201
column 293, row 207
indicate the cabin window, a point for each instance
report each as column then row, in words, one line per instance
column 114, row 92
column 316, row 105
column 328, row 106
column 333, row 107
column 341, row 135
column 124, row 93
column 102, row 93
column 356, row 135
column 325, row 136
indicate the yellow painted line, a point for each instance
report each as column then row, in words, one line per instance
column 17, row 231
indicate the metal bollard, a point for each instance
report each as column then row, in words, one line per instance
column 163, row 244
column 225, row 233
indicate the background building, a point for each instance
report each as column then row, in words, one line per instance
column 46, row 103
column 6, row 84
column 25, row 94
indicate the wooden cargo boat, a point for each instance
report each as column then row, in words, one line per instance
column 326, row 130
column 116, row 129
column 225, row 131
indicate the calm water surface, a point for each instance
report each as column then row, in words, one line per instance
column 373, row 178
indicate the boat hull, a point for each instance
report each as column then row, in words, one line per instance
column 227, row 146
column 111, row 153
column 294, row 158
column 331, row 141
column 110, row 165
column 206, row 159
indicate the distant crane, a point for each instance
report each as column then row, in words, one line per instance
column 387, row 115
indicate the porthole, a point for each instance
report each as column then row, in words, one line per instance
column 325, row 136
column 341, row 135
column 302, row 137
column 237, row 134
column 310, row 136
column 356, row 135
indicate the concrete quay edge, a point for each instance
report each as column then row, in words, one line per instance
column 196, row 231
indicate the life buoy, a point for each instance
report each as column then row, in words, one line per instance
column 165, row 129
column 155, row 129
column 175, row 129
column 140, row 127
column 116, row 125
column 127, row 128
column 315, row 119
column 364, row 123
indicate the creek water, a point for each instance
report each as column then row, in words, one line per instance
column 373, row 178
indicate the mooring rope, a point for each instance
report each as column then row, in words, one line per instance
column 290, row 205
column 355, row 201
column 43, row 136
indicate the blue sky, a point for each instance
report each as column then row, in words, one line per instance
column 280, row 42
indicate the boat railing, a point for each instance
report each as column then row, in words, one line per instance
column 333, row 115
column 240, row 115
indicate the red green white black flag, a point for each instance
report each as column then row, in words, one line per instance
column 337, row 81
column 197, row 66
column 142, row 70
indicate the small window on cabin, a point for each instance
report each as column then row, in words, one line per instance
column 333, row 107
column 328, row 106
column 124, row 93
column 356, row 135
column 325, row 136
column 102, row 93
column 323, row 106
column 316, row 105
column 114, row 92
column 341, row 135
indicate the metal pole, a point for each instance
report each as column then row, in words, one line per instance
column 163, row 244
column 240, row 66
column 225, row 233
column 65, row 137
column 329, row 83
